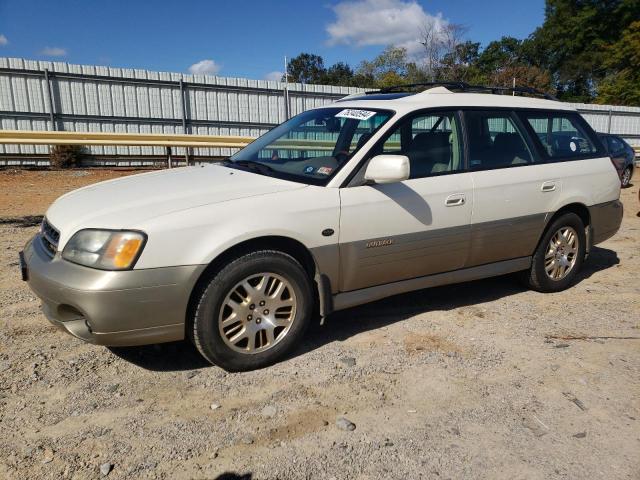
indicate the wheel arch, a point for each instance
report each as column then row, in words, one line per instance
column 288, row 245
column 579, row 209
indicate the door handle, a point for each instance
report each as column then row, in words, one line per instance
column 548, row 186
column 455, row 200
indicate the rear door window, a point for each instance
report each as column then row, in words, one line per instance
column 496, row 140
column 563, row 136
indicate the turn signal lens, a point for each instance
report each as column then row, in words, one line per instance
column 122, row 250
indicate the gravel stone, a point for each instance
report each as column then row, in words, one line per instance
column 47, row 455
column 269, row 411
column 345, row 424
column 348, row 361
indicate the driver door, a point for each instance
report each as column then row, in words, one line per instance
column 418, row 227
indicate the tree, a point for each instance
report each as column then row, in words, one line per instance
column 460, row 65
column 573, row 42
column 338, row 74
column 505, row 60
column 306, row 68
column 439, row 41
column 525, row 76
column 502, row 53
column 622, row 82
column 388, row 68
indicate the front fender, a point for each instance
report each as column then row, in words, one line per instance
column 199, row 235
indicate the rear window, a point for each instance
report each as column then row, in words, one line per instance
column 561, row 135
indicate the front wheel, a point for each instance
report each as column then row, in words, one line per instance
column 559, row 255
column 253, row 311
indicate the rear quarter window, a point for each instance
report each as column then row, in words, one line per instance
column 563, row 136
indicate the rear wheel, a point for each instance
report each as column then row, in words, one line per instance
column 559, row 255
column 253, row 311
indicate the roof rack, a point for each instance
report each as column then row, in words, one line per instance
column 465, row 87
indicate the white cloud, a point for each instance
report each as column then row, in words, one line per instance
column 381, row 22
column 275, row 76
column 205, row 67
column 53, row 52
column 3, row 40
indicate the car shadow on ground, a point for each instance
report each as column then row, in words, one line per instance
column 22, row 222
column 180, row 356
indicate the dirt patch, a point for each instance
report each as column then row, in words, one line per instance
column 424, row 342
column 30, row 192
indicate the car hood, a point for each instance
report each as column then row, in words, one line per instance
column 126, row 202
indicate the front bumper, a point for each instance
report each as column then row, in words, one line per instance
column 120, row 308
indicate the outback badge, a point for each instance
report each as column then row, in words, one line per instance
column 379, row 243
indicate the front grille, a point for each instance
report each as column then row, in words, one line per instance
column 50, row 237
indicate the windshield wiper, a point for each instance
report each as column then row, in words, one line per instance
column 250, row 164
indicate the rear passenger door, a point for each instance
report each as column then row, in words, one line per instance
column 513, row 188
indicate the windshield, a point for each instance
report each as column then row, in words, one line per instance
column 312, row 146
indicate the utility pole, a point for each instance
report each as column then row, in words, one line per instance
column 286, row 89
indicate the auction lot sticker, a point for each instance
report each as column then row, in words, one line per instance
column 355, row 114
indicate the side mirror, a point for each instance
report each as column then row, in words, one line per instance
column 387, row 169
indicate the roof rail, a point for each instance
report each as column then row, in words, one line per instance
column 465, row 87
column 409, row 86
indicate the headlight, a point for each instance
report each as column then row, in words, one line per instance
column 105, row 249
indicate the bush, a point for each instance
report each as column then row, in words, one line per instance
column 66, row 156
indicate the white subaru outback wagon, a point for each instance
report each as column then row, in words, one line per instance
column 374, row 195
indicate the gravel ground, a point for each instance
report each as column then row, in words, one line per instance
column 478, row 380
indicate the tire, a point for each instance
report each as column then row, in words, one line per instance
column 537, row 277
column 232, row 303
column 626, row 177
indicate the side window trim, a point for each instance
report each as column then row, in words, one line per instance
column 400, row 121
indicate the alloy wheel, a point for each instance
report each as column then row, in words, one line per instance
column 257, row 313
column 561, row 254
column 626, row 177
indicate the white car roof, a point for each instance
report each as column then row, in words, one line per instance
column 442, row 97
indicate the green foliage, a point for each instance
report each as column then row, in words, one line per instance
column 306, row 68
column 338, row 74
column 621, row 85
column 309, row 68
column 392, row 62
column 66, row 156
column 502, row 53
column 575, row 42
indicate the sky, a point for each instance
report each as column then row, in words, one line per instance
column 242, row 38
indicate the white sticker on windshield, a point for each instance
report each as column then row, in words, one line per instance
column 355, row 114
